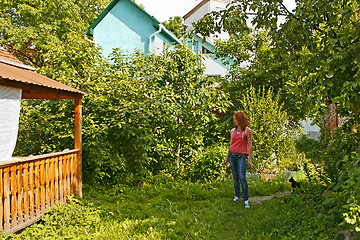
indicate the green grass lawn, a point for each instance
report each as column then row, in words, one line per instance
column 182, row 210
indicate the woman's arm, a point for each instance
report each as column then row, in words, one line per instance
column 227, row 155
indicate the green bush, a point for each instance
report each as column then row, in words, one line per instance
column 148, row 115
column 207, row 165
column 273, row 135
column 309, row 146
column 334, row 164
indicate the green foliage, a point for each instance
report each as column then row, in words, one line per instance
column 304, row 216
column 45, row 126
column 343, row 170
column 273, row 144
column 72, row 221
column 334, row 162
column 207, row 165
column 176, row 26
column 310, row 147
column 351, row 193
column 50, row 36
column 310, row 58
column 35, row 28
column 143, row 115
column 149, row 114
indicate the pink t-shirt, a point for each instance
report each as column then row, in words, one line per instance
column 239, row 142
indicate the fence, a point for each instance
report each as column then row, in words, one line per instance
column 30, row 185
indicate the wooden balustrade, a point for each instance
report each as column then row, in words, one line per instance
column 30, row 185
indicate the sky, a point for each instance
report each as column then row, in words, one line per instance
column 162, row 10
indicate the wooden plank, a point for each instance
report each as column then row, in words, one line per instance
column 26, row 191
column 37, row 189
column 61, row 179
column 7, row 200
column 27, row 188
column 72, row 175
column 1, row 199
column 28, row 95
column 13, row 203
column 24, row 225
column 67, row 175
column 20, row 196
column 52, row 181
column 42, row 187
column 36, row 158
column 56, row 178
column 31, row 190
column 78, row 143
column 65, row 172
column 47, row 183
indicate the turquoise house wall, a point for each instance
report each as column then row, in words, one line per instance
column 124, row 27
column 127, row 27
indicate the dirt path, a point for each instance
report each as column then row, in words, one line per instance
column 258, row 200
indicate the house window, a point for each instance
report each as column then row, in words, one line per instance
column 196, row 47
column 190, row 45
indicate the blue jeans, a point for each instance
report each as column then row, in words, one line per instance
column 238, row 169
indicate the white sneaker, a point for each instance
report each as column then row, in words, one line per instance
column 236, row 198
column 247, row 205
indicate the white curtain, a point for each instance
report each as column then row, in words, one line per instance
column 10, row 100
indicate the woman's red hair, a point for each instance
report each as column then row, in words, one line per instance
column 242, row 119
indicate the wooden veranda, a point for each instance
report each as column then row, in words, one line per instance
column 30, row 185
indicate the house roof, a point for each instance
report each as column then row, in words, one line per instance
column 14, row 73
column 199, row 6
column 155, row 22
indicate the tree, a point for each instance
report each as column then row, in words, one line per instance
column 31, row 29
column 151, row 114
column 313, row 62
column 273, row 135
column 176, row 26
column 311, row 58
column 50, row 36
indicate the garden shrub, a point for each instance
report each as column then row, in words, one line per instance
column 309, row 146
column 273, row 135
column 207, row 165
column 334, row 164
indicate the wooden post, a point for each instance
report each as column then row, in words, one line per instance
column 77, row 135
column 7, row 198
column 1, row 200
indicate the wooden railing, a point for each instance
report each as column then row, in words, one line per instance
column 30, row 185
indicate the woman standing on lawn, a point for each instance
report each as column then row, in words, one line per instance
column 240, row 150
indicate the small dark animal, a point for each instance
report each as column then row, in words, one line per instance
column 294, row 184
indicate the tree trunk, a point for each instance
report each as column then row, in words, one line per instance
column 331, row 120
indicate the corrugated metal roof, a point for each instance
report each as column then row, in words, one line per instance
column 12, row 69
column 7, row 56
